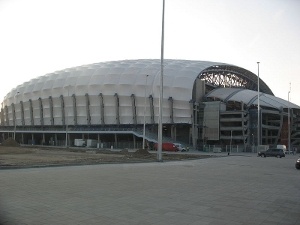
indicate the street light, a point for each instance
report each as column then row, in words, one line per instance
column 144, row 130
column 289, row 122
column 252, row 143
column 204, row 135
column 66, row 117
column 258, row 108
column 15, row 116
column 159, row 150
column 230, row 141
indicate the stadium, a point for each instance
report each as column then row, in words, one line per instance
column 109, row 103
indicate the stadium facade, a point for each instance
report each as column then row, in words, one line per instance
column 204, row 103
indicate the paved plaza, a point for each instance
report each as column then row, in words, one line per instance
column 235, row 189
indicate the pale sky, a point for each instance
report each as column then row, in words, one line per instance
column 42, row 36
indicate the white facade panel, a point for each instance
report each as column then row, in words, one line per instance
column 27, row 118
column 36, row 112
column 81, row 110
column 126, row 90
column 68, row 101
column 140, row 105
column 46, row 112
column 95, row 114
column 182, row 112
column 110, row 110
column 123, row 78
column 57, row 115
column 18, row 114
column 11, row 115
column 126, row 116
column 95, row 109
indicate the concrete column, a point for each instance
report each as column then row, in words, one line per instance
column 116, row 141
column 117, row 108
column 88, row 115
column 134, row 141
column 74, row 110
column 32, row 138
column 102, row 108
column 195, row 128
column 173, row 132
column 55, row 139
column 51, row 110
column 133, row 109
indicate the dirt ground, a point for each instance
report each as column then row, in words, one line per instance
column 23, row 157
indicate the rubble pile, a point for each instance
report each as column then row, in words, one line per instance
column 10, row 143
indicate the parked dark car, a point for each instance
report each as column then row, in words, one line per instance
column 275, row 152
column 297, row 165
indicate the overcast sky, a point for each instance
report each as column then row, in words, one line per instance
column 43, row 36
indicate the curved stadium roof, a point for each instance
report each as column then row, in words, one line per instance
column 128, row 77
column 249, row 97
column 124, row 77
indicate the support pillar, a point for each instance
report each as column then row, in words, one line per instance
column 117, row 108
column 102, row 108
column 74, row 110
column 134, row 141
column 173, row 132
column 32, row 139
column 55, row 139
column 133, row 105
column 116, row 141
column 41, row 112
column 22, row 113
column 88, row 114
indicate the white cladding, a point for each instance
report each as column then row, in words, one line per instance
column 124, row 78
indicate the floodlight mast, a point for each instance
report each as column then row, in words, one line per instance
column 258, row 108
column 144, row 125
column 289, row 122
column 66, row 118
column 15, row 116
column 159, row 144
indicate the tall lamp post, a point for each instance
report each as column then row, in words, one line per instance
column 66, row 118
column 204, row 135
column 230, row 141
column 258, row 108
column 159, row 150
column 289, row 122
column 15, row 116
column 144, row 128
column 252, row 142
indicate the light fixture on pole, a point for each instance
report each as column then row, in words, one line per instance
column 159, row 150
column 204, row 135
column 289, row 122
column 144, row 128
column 252, row 142
column 66, row 117
column 15, row 116
column 230, row 141
column 258, row 108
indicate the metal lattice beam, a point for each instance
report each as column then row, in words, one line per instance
column 232, row 76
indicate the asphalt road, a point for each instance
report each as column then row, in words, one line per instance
column 236, row 189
